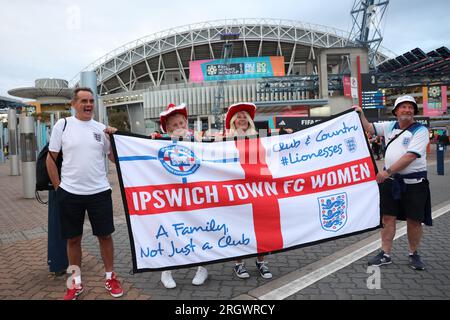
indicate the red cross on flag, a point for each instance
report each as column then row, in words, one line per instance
column 193, row 203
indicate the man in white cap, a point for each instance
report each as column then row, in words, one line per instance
column 404, row 188
column 173, row 122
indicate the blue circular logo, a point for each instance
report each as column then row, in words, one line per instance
column 178, row 160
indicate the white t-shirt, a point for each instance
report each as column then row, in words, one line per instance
column 84, row 145
column 415, row 142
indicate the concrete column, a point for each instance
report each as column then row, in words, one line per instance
column 323, row 76
column 103, row 118
column 199, row 124
column 52, row 121
column 39, row 135
column 2, row 156
column 136, row 116
column 363, row 63
column 309, row 67
column 102, row 114
column 89, row 79
column 28, row 152
column 13, row 143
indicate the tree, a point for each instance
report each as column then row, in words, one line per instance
column 119, row 119
column 44, row 116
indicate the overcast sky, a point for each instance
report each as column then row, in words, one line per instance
column 59, row 38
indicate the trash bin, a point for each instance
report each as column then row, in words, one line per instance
column 57, row 246
column 440, row 152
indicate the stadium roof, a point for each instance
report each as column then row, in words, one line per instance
column 6, row 103
column 148, row 59
column 417, row 67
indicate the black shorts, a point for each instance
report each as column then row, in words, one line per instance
column 412, row 204
column 73, row 207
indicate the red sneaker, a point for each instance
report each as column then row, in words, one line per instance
column 113, row 286
column 74, row 292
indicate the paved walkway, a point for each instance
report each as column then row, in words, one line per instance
column 331, row 270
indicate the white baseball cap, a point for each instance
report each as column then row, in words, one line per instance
column 405, row 98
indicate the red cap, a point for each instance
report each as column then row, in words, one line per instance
column 240, row 106
column 170, row 111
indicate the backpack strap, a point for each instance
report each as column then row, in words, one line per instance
column 64, row 128
column 398, row 134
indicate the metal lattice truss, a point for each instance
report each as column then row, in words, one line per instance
column 366, row 30
column 163, row 57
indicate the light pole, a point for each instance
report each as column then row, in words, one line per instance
column 227, row 53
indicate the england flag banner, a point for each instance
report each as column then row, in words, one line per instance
column 193, row 203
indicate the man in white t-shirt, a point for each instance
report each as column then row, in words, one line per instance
column 404, row 188
column 84, row 186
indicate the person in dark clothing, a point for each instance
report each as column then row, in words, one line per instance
column 443, row 140
column 376, row 147
column 284, row 130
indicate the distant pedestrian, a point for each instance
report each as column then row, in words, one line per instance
column 156, row 134
column 443, row 140
column 376, row 147
column 285, row 130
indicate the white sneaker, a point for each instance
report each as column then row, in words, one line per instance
column 200, row 276
column 167, row 280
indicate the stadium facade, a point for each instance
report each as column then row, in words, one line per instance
column 145, row 75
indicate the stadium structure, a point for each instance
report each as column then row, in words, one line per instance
column 285, row 67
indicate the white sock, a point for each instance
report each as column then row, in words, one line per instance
column 108, row 275
column 77, row 279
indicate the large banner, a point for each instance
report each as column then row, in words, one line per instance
column 235, row 68
column 192, row 203
column 434, row 100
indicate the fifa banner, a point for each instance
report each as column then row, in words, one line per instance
column 235, row 68
column 192, row 203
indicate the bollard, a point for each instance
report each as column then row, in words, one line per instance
column 2, row 156
column 440, row 151
column 28, row 155
column 13, row 142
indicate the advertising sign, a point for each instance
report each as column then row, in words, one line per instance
column 235, row 68
column 434, row 100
